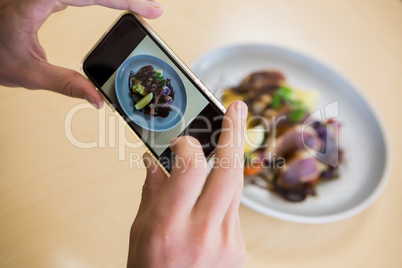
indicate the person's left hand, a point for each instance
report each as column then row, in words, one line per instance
column 23, row 60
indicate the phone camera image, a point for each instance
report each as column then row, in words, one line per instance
column 151, row 93
column 151, row 89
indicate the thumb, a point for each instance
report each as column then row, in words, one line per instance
column 67, row 82
column 146, row 8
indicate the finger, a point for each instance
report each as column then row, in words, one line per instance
column 226, row 178
column 146, row 8
column 188, row 174
column 67, row 82
column 231, row 230
column 231, row 220
column 154, row 182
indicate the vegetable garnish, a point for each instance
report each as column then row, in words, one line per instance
column 159, row 77
column 254, row 138
column 252, row 164
column 297, row 114
column 144, row 101
column 285, row 94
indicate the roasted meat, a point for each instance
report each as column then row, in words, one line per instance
column 292, row 156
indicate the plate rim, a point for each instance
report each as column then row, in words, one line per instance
column 382, row 181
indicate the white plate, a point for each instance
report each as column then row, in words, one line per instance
column 362, row 135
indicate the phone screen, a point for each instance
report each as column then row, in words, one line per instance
column 156, row 97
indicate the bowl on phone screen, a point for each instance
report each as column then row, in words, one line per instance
column 127, row 101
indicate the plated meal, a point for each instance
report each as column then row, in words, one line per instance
column 284, row 152
column 150, row 92
column 363, row 175
column 156, row 92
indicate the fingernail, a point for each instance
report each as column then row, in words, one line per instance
column 91, row 100
column 100, row 105
column 242, row 110
column 154, row 4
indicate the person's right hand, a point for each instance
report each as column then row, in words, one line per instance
column 23, row 61
column 191, row 219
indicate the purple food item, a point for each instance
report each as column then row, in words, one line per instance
column 328, row 132
column 162, row 103
column 321, row 129
column 296, row 181
column 168, row 101
column 293, row 138
column 300, row 168
column 330, row 173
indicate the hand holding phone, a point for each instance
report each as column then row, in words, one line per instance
column 192, row 218
column 23, row 60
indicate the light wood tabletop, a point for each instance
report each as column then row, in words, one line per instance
column 64, row 206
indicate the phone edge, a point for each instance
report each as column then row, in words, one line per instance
column 199, row 83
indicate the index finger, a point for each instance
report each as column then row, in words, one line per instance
column 226, row 178
column 187, row 177
column 146, row 8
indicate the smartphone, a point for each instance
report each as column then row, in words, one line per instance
column 146, row 83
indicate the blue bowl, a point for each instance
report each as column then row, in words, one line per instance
column 146, row 121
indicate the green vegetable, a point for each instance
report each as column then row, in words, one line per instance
column 276, row 101
column 139, row 89
column 249, row 157
column 158, row 76
column 297, row 114
column 285, row 94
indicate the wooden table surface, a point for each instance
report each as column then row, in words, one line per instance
column 63, row 206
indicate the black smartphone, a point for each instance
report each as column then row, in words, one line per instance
column 158, row 96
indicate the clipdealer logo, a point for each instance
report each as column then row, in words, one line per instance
column 114, row 136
